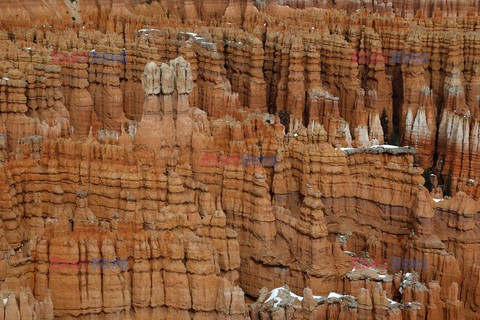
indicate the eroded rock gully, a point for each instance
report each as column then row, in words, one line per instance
column 107, row 160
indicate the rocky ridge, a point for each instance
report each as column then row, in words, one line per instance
column 105, row 160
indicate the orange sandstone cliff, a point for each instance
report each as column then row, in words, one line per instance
column 134, row 160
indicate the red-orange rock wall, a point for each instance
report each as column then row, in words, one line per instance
column 193, row 232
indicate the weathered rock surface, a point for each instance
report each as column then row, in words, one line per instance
column 106, row 159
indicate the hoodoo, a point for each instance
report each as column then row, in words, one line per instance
column 239, row 160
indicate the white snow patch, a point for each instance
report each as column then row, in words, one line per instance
column 274, row 296
column 6, row 79
column 146, row 30
column 335, row 295
column 275, row 292
column 386, row 146
column 199, row 39
column 393, row 302
column 5, row 301
column 438, row 200
column 406, row 277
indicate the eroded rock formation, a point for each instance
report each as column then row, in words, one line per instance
column 107, row 160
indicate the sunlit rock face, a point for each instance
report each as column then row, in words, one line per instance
column 235, row 159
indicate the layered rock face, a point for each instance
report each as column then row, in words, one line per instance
column 157, row 165
column 181, row 259
column 404, row 9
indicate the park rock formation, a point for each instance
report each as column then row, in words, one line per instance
column 133, row 160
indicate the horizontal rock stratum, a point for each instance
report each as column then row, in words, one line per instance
column 108, row 209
